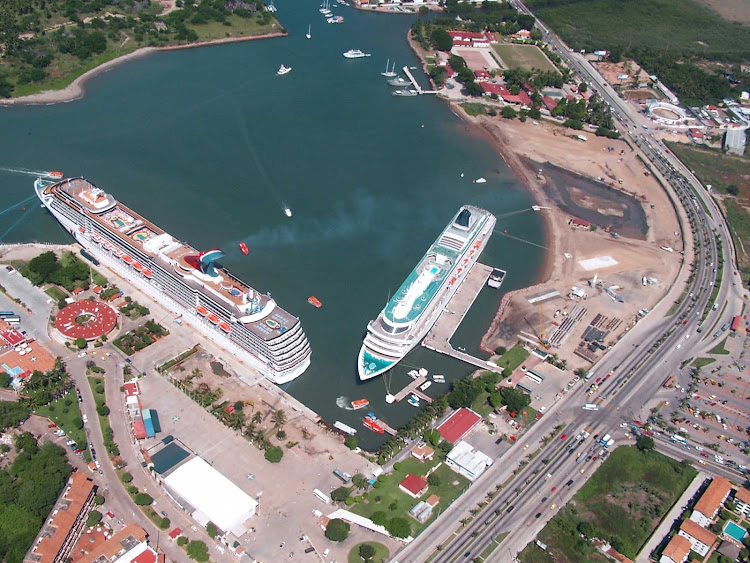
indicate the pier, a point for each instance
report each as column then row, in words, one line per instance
column 415, row 84
column 387, row 427
column 438, row 339
column 413, row 388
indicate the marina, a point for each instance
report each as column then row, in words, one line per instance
column 415, row 84
column 413, row 389
column 438, row 339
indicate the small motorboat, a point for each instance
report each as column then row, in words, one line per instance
column 55, row 174
column 287, row 212
column 425, row 385
column 312, row 300
column 480, row 181
column 422, row 372
column 413, row 401
column 243, row 248
column 283, row 70
column 360, row 403
column 413, row 374
column 438, row 378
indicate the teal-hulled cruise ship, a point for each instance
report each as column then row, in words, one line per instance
column 417, row 304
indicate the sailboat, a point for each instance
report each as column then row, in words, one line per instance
column 389, row 73
column 309, row 27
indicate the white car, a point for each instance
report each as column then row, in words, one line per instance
column 687, row 336
column 85, row 418
column 699, row 448
column 623, row 425
column 82, row 355
column 679, row 346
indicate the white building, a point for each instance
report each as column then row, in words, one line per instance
column 211, row 497
column 700, row 538
column 467, row 461
column 742, row 499
column 711, row 501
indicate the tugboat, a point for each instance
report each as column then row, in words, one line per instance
column 243, row 248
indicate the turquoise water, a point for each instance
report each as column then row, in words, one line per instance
column 210, row 145
column 735, row 531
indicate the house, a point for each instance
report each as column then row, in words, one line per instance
column 469, row 38
column 697, row 136
column 737, row 324
column 467, row 461
column 677, row 550
column 742, row 499
column 458, row 424
column 549, row 102
column 700, row 538
column 433, row 500
column 580, row 223
column 174, row 534
column 129, row 545
column 413, row 486
column 423, row 452
column 450, row 72
column 710, row 502
column 481, row 76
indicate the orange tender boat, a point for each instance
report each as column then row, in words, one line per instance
column 360, row 403
column 312, row 300
column 374, row 426
column 55, row 174
column 244, row 249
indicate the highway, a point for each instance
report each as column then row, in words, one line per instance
column 633, row 370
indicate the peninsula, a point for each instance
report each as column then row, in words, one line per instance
column 48, row 51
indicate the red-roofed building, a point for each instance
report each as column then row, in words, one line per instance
column 77, row 291
column 457, row 425
column 174, row 534
column 522, row 35
column 97, row 289
column 139, row 430
column 580, row 223
column 131, row 389
column 413, row 486
column 736, row 324
column 481, row 75
column 549, row 102
column 148, row 555
column 697, row 135
column 13, row 337
column 469, row 38
column 493, row 88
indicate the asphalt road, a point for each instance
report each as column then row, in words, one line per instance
column 638, row 365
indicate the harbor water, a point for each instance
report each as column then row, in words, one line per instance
column 211, row 145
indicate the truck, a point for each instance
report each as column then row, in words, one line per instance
column 604, row 440
column 589, row 375
column 345, row 477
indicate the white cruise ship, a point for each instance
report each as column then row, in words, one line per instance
column 417, row 304
column 225, row 309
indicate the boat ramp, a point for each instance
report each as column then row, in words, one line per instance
column 438, row 339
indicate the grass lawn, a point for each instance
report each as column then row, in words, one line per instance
column 513, row 358
column 451, row 485
column 739, row 223
column 240, row 27
column 56, row 293
column 524, row 56
column 529, row 418
column 719, row 348
column 715, row 168
column 381, row 553
column 624, row 499
column 703, row 362
column 493, row 545
column 55, row 411
column 480, row 404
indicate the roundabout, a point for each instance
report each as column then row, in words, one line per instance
column 85, row 319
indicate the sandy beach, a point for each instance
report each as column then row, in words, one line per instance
column 75, row 89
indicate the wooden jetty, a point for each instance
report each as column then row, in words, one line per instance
column 413, row 388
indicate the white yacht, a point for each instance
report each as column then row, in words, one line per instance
column 355, row 54
column 283, row 70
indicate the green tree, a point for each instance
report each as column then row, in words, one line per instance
column 508, row 112
column 4, row 380
column 733, row 189
column 644, row 443
column 126, row 478
column 433, row 480
column 360, row 481
column 515, row 399
column 81, row 343
column 212, row 530
column 351, row 442
column 432, row 436
column 337, row 530
column 102, row 410
column 94, row 518
column 366, row 552
column 99, row 500
column 143, row 499
column 399, row 527
column 473, row 89
column 441, row 40
column 340, row 494
column 379, row 517
column 274, row 454
column 495, row 399
column 182, row 540
column 197, row 550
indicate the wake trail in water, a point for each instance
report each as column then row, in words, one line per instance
column 17, row 222
column 24, row 171
column 256, row 159
column 344, row 403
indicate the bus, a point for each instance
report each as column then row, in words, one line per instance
column 6, row 313
column 590, row 407
column 322, row 496
column 678, row 439
column 12, row 320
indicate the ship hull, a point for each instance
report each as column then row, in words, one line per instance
column 187, row 315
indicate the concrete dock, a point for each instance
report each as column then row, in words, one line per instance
column 413, row 388
column 438, row 339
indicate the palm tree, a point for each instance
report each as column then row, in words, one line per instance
column 196, row 373
column 257, row 417
column 279, row 418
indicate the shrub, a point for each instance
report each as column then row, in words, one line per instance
column 396, row 466
column 143, row 499
column 102, row 410
column 349, row 501
column 433, row 480
column 126, row 477
column 340, row 494
column 80, row 343
column 132, row 489
column 337, row 530
column 94, row 518
column 182, row 540
column 351, row 442
column 197, row 551
column 274, row 454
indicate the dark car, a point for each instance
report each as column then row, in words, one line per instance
column 569, row 483
column 510, row 508
column 544, row 499
column 309, row 550
column 538, row 514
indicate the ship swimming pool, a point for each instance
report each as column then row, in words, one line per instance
column 735, row 531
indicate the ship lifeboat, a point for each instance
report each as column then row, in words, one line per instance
column 138, row 266
column 312, row 300
column 453, row 280
column 224, row 326
column 243, row 248
column 360, row 403
column 374, row 426
column 81, row 230
column 201, row 310
column 213, row 318
column 148, row 273
column 127, row 259
column 55, row 174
